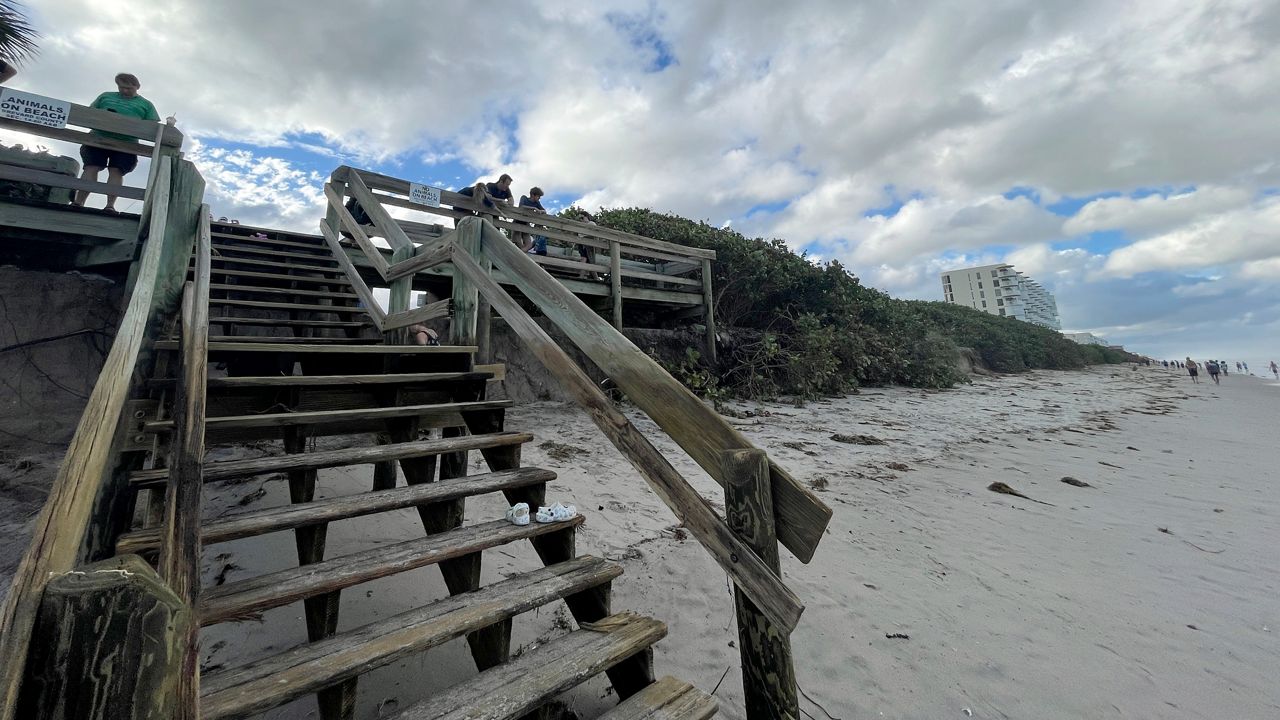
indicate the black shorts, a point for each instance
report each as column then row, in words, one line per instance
column 98, row 157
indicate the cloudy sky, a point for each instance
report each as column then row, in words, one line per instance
column 1125, row 154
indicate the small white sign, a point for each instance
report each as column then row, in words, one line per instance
column 34, row 109
column 424, row 194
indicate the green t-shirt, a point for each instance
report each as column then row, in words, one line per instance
column 136, row 106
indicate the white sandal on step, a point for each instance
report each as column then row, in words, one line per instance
column 519, row 514
column 556, row 513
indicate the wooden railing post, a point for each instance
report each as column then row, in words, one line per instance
column 462, row 328
column 615, row 281
column 401, row 290
column 768, row 676
column 708, row 305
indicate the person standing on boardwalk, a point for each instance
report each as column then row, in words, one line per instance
column 1193, row 370
column 118, row 163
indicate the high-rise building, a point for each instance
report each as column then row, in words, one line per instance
column 1001, row 290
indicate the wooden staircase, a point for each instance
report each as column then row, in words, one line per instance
column 302, row 361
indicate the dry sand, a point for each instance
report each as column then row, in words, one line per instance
column 1151, row 594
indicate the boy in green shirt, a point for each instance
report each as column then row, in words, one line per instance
column 118, row 163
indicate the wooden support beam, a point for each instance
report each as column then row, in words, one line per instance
column 615, row 281
column 378, row 215
column 768, row 675
column 425, row 258
column 69, row 221
column 696, row 427
column 40, row 177
column 462, row 331
column 112, row 634
column 437, row 309
column 398, row 303
column 708, row 305
column 180, row 543
column 349, row 223
column 762, row 584
column 371, row 307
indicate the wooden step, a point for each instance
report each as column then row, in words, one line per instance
column 527, row 682
column 273, row 681
column 288, row 517
column 666, row 699
column 296, row 339
column 288, row 257
column 242, row 598
column 312, row 279
column 246, row 347
column 333, row 272
column 285, row 322
column 261, row 290
column 299, row 307
column 437, row 411
column 348, row 380
column 318, row 246
column 235, row 469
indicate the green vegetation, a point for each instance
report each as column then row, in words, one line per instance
column 808, row 330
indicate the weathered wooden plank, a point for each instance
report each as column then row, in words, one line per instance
column 300, row 307
column 232, row 469
column 261, row 290
column 287, row 322
column 370, row 303
column 64, row 527
column 93, row 118
column 522, row 685
column 768, row 675
column 276, row 680
column 378, row 215
column 320, row 417
column 430, row 378
column 41, row 177
column 111, row 634
column 437, row 309
column 421, row 261
column 317, row 272
column 71, row 221
column 263, row 592
column 709, row 316
column 302, row 279
column 249, row 346
column 732, row 554
column 288, row 517
column 615, row 282
column 78, row 137
column 180, row 529
column 291, row 246
column 697, row 428
column 666, row 699
column 351, row 226
column 287, row 259
column 462, row 330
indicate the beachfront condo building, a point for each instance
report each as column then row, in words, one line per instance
column 1084, row 338
column 1001, row 290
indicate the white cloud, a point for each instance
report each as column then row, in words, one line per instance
column 1248, row 234
column 1155, row 213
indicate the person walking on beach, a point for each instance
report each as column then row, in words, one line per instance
column 1212, row 368
column 1222, row 364
column 1275, row 370
column 1193, row 370
column 118, row 163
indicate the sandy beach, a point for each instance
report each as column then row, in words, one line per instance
column 1151, row 593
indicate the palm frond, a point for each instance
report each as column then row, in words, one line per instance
column 17, row 36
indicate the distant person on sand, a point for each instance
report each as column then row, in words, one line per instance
column 1193, row 370
column 118, row 163
column 1212, row 368
column 1275, row 370
column 1223, row 365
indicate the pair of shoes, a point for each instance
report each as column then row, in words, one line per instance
column 519, row 514
column 556, row 513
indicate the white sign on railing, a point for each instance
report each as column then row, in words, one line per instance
column 424, row 194
column 34, row 109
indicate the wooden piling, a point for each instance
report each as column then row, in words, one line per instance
column 768, row 676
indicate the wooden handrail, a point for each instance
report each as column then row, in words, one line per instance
column 63, row 525
column 699, row 430
column 180, row 531
column 764, row 586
